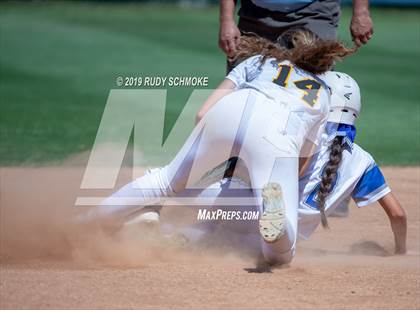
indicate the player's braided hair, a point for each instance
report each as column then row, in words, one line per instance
column 303, row 48
column 329, row 175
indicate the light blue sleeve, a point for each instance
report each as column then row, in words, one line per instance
column 371, row 186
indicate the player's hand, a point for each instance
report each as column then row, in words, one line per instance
column 408, row 253
column 361, row 28
column 400, row 250
column 229, row 35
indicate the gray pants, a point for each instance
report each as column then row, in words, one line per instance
column 320, row 16
column 324, row 28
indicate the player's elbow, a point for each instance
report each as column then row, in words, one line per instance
column 392, row 207
column 398, row 215
column 198, row 117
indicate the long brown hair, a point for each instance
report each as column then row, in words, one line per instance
column 329, row 176
column 306, row 51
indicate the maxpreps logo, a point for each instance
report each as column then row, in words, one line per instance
column 219, row 214
column 154, row 146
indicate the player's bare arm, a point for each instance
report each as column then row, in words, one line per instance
column 229, row 32
column 398, row 219
column 305, row 156
column 226, row 87
column 361, row 26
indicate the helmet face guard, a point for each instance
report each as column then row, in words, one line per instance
column 342, row 113
column 342, row 116
column 345, row 102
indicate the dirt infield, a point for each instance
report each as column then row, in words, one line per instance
column 48, row 263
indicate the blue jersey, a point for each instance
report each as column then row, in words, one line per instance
column 358, row 177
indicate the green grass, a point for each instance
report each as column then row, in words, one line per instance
column 58, row 62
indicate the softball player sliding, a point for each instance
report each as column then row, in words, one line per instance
column 339, row 170
column 265, row 112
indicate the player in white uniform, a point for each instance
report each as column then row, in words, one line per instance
column 269, row 110
column 343, row 168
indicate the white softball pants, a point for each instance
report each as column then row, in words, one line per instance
column 244, row 123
